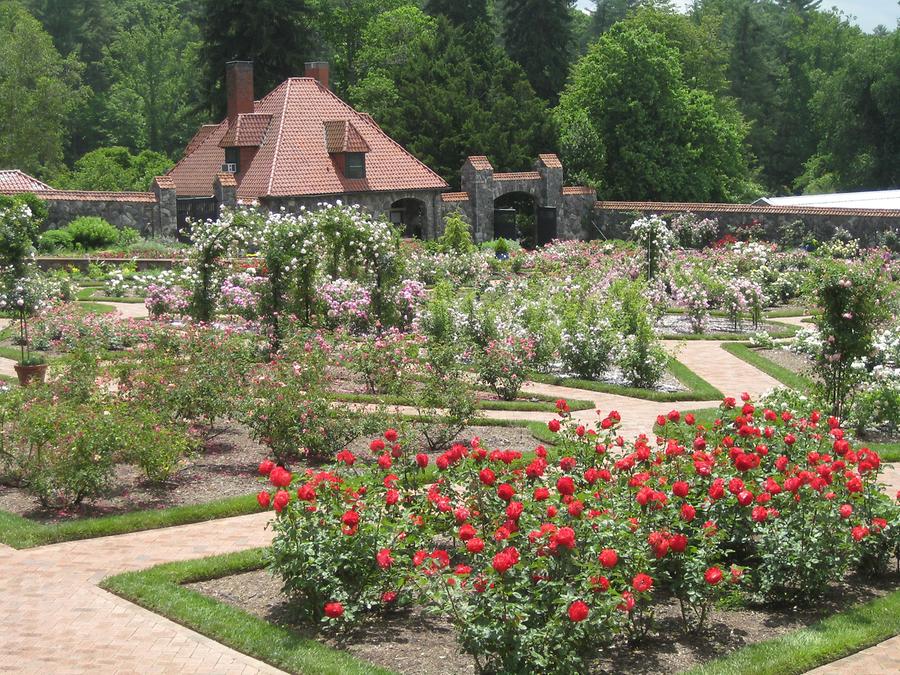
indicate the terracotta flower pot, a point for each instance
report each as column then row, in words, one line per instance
column 29, row 374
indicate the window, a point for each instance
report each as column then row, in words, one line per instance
column 233, row 159
column 355, row 165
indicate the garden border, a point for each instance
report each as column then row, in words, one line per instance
column 698, row 389
column 158, row 589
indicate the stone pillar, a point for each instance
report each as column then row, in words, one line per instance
column 551, row 171
column 225, row 190
column 165, row 218
column 478, row 181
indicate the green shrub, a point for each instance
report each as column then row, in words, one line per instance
column 457, row 236
column 91, row 233
column 55, row 240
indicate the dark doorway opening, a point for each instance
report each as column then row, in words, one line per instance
column 514, row 218
column 411, row 215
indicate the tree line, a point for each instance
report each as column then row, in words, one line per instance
column 733, row 99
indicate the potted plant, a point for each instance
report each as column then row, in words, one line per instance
column 20, row 219
column 22, row 301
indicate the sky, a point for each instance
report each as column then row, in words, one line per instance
column 869, row 13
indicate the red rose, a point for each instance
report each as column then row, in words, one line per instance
column 334, row 610
column 578, row 611
column 263, row 499
column 385, row 461
column 384, row 559
column 466, row 532
column 391, row 435
column 608, row 558
column 688, row 512
column 564, row 537
column 487, row 476
column 350, row 522
column 642, row 582
column 346, row 457
column 306, row 493
column 680, row 488
column 388, row 597
column 391, row 497
column 422, row 460
column 859, row 532
column 280, row 477
column 265, row 467
column 505, row 559
column 281, row 500
column 745, row 497
column 541, row 493
column 514, row 510
column 376, row 446
column 565, row 486
column 713, row 576
column 474, row 545
column 678, row 543
column 553, row 425
column 759, row 514
column 674, row 416
column 505, row 492
column 627, row 603
column 576, row 507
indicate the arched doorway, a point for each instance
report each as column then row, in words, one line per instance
column 515, row 218
column 411, row 215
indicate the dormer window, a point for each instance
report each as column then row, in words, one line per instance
column 347, row 148
column 355, row 165
column 232, row 160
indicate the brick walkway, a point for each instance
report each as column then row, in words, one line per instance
column 54, row 618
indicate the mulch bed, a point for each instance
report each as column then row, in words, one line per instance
column 796, row 363
column 412, row 641
column 680, row 324
column 225, row 467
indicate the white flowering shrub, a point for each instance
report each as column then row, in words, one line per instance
column 655, row 238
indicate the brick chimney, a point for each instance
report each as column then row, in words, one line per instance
column 239, row 88
column 318, row 70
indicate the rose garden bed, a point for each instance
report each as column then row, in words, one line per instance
column 412, row 641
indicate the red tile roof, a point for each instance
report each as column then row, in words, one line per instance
column 201, row 135
column 249, row 131
column 342, row 136
column 293, row 160
column 165, row 182
column 480, row 163
column 519, row 175
column 550, row 160
column 455, row 197
column 578, row 190
column 226, row 179
column 663, row 207
column 85, row 196
column 13, row 180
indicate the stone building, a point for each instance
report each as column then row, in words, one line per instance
column 298, row 146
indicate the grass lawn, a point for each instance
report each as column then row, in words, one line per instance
column 21, row 533
column 85, row 294
column 159, row 589
column 697, row 389
column 543, row 405
column 784, row 375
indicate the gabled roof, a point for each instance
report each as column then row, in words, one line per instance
column 13, row 180
column 293, row 159
column 879, row 199
column 342, row 136
column 249, row 130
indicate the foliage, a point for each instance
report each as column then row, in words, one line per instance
column 457, row 91
column 20, row 220
column 533, row 558
column 457, row 235
column 114, row 169
column 674, row 145
column 90, row 233
column 542, row 53
column 503, row 365
column 274, row 34
column 44, row 88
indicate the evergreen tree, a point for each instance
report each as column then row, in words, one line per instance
column 274, row 34
column 661, row 140
column 464, row 13
column 39, row 90
column 456, row 93
column 538, row 36
column 608, row 12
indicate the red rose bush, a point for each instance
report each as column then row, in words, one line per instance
column 536, row 557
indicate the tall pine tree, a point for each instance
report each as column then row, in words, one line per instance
column 274, row 34
column 538, row 36
column 464, row 13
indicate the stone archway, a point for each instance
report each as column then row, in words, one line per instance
column 515, row 217
column 412, row 215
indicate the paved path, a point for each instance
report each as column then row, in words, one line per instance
column 130, row 310
column 52, row 591
column 54, row 618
